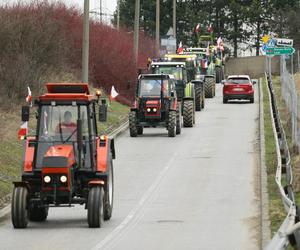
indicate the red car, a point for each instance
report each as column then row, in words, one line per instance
column 238, row 87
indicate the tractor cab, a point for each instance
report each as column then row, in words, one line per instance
column 155, row 104
column 67, row 161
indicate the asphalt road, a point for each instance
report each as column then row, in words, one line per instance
column 196, row 191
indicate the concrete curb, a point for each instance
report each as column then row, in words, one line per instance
column 264, row 204
column 4, row 212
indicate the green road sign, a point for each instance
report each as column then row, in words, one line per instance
column 277, row 51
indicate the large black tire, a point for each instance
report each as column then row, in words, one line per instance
column 95, row 207
column 36, row 213
column 109, row 193
column 178, row 120
column 188, row 113
column 203, row 99
column 209, row 87
column 19, row 211
column 198, row 98
column 133, row 129
column 140, row 130
column 172, row 124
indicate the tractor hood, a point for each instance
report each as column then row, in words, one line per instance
column 59, row 156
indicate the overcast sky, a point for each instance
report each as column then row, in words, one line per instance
column 108, row 6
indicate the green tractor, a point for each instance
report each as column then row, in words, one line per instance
column 185, row 90
column 193, row 76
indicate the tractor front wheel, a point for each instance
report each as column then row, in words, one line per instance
column 133, row 128
column 19, row 212
column 37, row 213
column 172, row 124
column 188, row 113
column 109, row 193
column 178, row 120
column 95, row 207
column 198, row 98
column 209, row 86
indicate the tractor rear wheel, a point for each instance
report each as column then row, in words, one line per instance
column 203, row 99
column 95, row 207
column 188, row 113
column 198, row 98
column 19, row 212
column 37, row 213
column 172, row 124
column 109, row 193
column 209, row 86
column 140, row 130
column 178, row 120
column 133, row 129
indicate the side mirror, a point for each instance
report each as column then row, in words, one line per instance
column 223, row 81
column 25, row 113
column 172, row 94
column 103, row 111
column 254, row 81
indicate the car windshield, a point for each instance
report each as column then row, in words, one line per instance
column 152, row 87
column 170, row 70
column 240, row 80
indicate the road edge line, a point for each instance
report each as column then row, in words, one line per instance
column 264, row 199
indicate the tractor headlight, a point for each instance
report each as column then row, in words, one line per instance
column 148, row 110
column 47, row 179
column 154, row 109
column 63, row 179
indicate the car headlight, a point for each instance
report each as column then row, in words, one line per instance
column 148, row 110
column 63, row 179
column 154, row 109
column 47, row 179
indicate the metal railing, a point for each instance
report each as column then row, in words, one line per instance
column 288, row 231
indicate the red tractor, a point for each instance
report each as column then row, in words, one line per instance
column 67, row 162
column 155, row 105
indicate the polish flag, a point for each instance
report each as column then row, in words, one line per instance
column 220, row 44
column 207, row 50
column 23, row 131
column 210, row 28
column 29, row 96
column 197, row 29
column 180, row 49
column 113, row 93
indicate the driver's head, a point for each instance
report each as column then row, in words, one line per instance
column 68, row 117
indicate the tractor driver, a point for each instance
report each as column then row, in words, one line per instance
column 66, row 127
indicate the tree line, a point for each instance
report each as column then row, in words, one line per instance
column 236, row 21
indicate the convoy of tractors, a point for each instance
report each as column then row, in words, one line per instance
column 68, row 161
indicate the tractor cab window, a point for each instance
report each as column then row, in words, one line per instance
column 150, row 87
column 177, row 72
column 58, row 126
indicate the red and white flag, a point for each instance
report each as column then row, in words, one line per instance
column 180, row 49
column 23, row 131
column 210, row 28
column 113, row 93
column 220, row 44
column 29, row 96
column 208, row 50
column 197, row 29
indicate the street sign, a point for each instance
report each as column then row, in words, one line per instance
column 271, row 43
column 284, row 42
column 277, row 51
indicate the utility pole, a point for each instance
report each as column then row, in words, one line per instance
column 174, row 18
column 85, row 42
column 136, row 29
column 118, row 14
column 157, row 25
column 101, row 11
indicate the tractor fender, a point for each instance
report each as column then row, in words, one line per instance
column 105, row 152
column 96, row 182
column 189, row 90
column 21, row 184
column 197, row 82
